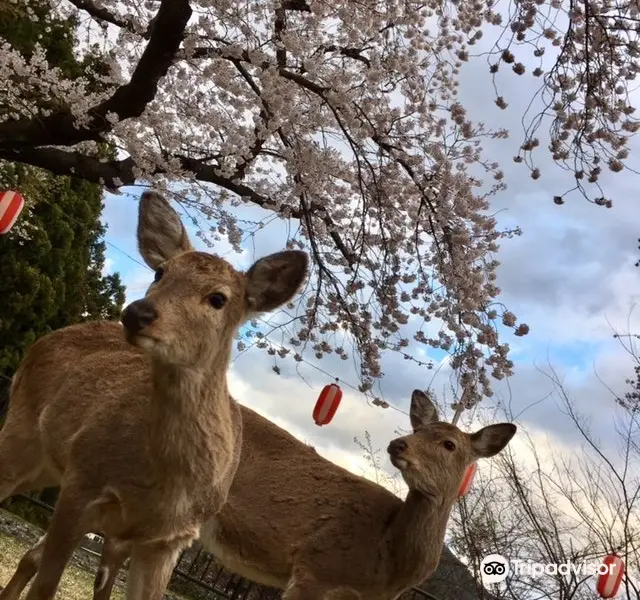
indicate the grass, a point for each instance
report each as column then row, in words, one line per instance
column 76, row 584
column 18, row 533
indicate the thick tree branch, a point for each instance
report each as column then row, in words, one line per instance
column 66, row 162
column 114, row 174
column 354, row 53
column 299, row 5
column 117, row 173
column 99, row 13
column 279, row 25
column 127, row 102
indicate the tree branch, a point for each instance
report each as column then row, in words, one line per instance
column 66, row 162
column 354, row 53
column 100, row 13
column 116, row 173
column 299, row 5
column 128, row 101
column 265, row 114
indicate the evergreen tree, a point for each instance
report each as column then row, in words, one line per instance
column 51, row 262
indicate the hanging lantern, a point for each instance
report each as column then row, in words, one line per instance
column 467, row 480
column 11, row 203
column 609, row 582
column 327, row 404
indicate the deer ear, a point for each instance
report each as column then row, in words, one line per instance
column 275, row 279
column 423, row 411
column 490, row 440
column 161, row 234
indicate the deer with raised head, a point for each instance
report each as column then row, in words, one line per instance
column 296, row 521
column 135, row 422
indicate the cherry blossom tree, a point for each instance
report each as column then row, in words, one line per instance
column 343, row 119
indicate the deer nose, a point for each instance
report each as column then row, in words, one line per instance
column 397, row 447
column 138, row 315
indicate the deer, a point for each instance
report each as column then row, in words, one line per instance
column 134, row 420
column 296, row 521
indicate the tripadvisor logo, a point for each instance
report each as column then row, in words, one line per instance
column 495, row 568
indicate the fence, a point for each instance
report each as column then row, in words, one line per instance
column 199, row 576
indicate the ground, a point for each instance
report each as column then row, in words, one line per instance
column 76, row 583
column 17, row 535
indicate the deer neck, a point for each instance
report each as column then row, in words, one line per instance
column 415, row 537
column 190, row 412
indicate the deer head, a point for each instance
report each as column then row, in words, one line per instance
column 433, row 459
column 197, row 300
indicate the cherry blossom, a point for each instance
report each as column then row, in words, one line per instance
column 343, row 119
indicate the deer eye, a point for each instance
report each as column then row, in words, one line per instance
column 158, row 275
column 217, row 300
column 449, row 445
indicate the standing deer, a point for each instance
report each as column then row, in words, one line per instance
column 135, row 422
column 296, row 521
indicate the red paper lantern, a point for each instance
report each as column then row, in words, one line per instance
column 467, row 480
column 327, row 404
column 11, row 203
column 609, row 582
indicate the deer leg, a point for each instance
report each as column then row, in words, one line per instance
column 303, row 586
column 150, row 569
column 67, row 527
column 27, row 568
column 114, row 553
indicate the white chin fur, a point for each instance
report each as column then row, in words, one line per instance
column 145, row 343
column 399, row 463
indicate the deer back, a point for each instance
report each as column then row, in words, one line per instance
column 286, row 499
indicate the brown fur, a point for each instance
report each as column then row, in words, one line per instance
column 143, row 437
column 295, row 520
column 321, row 532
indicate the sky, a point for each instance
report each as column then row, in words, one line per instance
column 570, row 276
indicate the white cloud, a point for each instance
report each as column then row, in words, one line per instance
column 108, row 266
column 289, row 403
